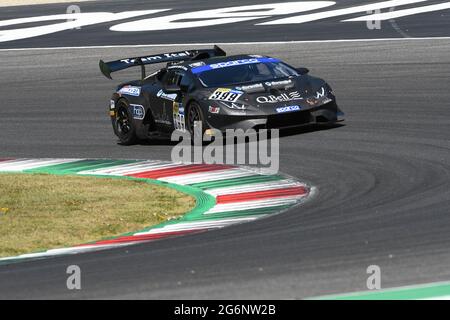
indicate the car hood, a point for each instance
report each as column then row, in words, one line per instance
column 305, row 91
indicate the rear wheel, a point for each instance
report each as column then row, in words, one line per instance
column 124, row 125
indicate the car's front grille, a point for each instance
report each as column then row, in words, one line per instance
column 289, row 119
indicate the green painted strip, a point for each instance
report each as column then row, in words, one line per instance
column 432, row 290
column 237, row 181
column 77, row 166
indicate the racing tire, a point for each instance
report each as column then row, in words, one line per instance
column 194, row 113
column 124, row 126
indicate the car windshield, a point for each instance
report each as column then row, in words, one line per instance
column 231, row 74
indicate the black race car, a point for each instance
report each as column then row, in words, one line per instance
column 241, row 91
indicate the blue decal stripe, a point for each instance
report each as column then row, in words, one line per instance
column 232, row 63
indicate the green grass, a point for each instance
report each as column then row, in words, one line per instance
column 40, row 211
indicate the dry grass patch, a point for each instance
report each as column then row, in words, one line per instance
column 39, row 211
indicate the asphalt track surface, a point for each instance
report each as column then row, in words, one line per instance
column 383, row 179
column 432, row 24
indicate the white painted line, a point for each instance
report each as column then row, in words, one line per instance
column 339, row 12
column 263, row 186
column 22, row 160
column 17, row 166
column 255, row 204
column 198, row 225
column 218, row 175
column 220, row 16
column 61, row 251
column 124, row 169
column 208, row 44
column 71, row 21
column 132, row 169
column 211, row 224
column 401, row 13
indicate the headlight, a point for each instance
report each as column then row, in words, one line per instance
column 234, row 105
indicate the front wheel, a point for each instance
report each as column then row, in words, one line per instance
column 124, row 126
column 194, row 115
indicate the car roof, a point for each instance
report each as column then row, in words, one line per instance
column 189, row 64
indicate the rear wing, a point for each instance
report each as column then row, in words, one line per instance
column 109, row 67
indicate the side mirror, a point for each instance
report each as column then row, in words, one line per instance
column 302, row 70
column 172, row 88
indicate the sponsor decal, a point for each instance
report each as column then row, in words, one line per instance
column 162, row 121
column 251, row 87
column 179, row 122
column 284, row 97
column 167, row 96
column 214, row 110
column 112, row 108
column 319, row 98
column 178, row 108
column 130, row 90
column 320, row 94
column 138, row 111
column 232, row 63
column 288, row 109
column 178, row 67
column 235, row 106
column 226, row 94
column 163, row 56
column 197, row 64
column 278, row 83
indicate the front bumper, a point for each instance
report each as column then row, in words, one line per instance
column 325, row 114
